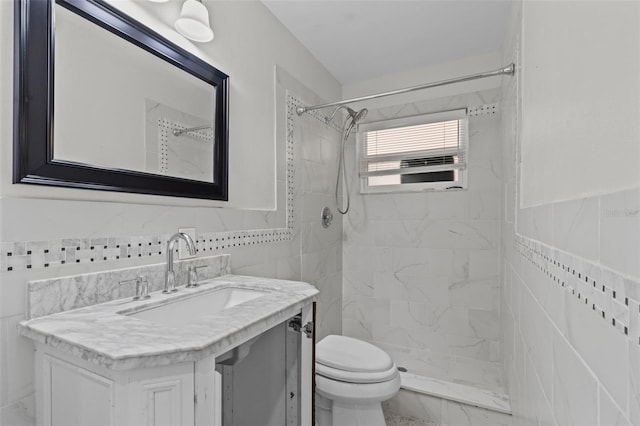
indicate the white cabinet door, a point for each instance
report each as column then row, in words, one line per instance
column 161, row 396
column 308, row 368
column 208, row 397
column 75, row 392
column 75, row 396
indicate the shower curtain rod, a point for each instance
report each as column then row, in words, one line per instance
column 508, row 70
column 178, row 132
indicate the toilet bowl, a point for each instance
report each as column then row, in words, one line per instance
column 352, row 379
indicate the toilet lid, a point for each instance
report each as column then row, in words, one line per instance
column 346, row 353
column 356, row 376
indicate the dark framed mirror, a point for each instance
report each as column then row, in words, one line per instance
column 103, row 102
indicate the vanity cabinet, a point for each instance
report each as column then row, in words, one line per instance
column 74, row 392
column 265, row 381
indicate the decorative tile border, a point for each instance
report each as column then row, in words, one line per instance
column 480, row 110
column 165, row 129
column 17, row 256
column 601, row 290
column 45, row 254
column 295, row 102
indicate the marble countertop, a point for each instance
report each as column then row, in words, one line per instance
column 103, row 335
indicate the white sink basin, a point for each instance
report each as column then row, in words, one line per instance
column 188, row 310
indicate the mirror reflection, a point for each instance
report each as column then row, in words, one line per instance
column 121, row 107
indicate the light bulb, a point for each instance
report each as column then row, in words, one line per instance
column 193, row 22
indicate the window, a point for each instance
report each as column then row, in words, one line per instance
column 425, row 152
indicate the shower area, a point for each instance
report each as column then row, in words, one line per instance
column 421, row 269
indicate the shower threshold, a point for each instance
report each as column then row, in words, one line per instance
column 469, row 395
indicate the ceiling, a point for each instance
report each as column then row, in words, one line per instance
column 357, row 40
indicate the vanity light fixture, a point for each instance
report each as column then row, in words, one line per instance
column 193, row 22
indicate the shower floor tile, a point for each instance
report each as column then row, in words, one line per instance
column 398, row 420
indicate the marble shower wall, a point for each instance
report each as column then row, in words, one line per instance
column 570, row 297
column 421, row 270
column 320, row 248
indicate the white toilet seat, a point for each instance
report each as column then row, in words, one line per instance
column 357, row 376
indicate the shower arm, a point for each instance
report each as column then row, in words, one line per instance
column 508, row 70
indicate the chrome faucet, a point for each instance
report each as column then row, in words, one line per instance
column 169, row 275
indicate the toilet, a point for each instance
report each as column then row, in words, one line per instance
column 352, row 379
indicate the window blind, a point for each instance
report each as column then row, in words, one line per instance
column 421, row 144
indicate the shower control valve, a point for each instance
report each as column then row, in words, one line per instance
column 327, row 217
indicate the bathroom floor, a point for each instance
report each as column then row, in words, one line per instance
column 398, row 420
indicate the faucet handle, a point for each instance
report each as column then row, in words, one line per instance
column 192, row 279
column 142, row 288
column 123, row 282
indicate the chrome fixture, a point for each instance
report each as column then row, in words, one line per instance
column 142, row 287
column 178, row 132
column 192, row 276
column 327, row 217
column 169, row 275
column 353, row 118
column 353, row 114
column 508, row 70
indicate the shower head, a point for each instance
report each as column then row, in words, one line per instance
column 355, row 118
column 354, row 115
column 358, row 116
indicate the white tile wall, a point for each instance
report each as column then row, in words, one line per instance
column 421, row 270
column 591, row 311
column 609, row 412
column 575, row 389
column 575, row 227
column 620, row 231
column 569, row 293
column 634, row 383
